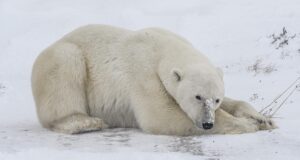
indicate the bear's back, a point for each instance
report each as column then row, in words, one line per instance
column 90, row 35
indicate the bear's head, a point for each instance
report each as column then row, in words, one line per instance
column 199, row 91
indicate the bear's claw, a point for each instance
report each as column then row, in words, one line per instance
column 264, row 123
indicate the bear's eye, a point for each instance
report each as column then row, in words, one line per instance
column 198, row 97
column 217, row 100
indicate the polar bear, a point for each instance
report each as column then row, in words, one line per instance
column 100, row 76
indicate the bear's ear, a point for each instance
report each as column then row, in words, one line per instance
column 177, row 74
column 220, row 72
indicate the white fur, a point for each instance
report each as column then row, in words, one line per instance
column 101, row 76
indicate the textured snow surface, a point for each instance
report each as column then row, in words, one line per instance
column 236, row 35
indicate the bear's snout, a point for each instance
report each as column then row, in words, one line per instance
column 207, row 125
column 204, row 125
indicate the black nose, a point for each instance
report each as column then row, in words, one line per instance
column 207, row 125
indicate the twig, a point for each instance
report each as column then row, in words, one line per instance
column 280, row 95
column 283, row 102
column 277, row 117
column 274, row 109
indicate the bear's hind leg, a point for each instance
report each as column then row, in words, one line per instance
column 59, row 87
column 78, row 123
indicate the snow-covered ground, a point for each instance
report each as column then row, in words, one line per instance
column 235, row 34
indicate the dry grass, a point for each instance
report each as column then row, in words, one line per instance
column 2, row 88
column 259, row 67
column 282, row 39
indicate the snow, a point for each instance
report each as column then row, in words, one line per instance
column 234, row 34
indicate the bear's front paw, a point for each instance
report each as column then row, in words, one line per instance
column 241, row 125
column 247, row 111
column 264, row 123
